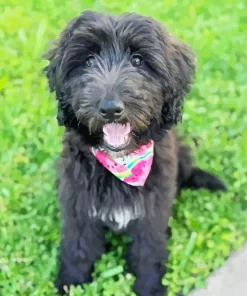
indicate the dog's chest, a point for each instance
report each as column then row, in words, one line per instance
column 113, row 201
column 117, row 217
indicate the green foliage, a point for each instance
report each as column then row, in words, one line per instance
column 206, row 227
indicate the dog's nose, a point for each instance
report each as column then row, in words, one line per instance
column 111, row 109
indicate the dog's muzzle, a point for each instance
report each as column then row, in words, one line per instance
column 111, row 110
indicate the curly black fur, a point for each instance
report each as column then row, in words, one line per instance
column 152, row 95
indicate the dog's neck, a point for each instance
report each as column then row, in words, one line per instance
column 132, row 168
column 114, row 154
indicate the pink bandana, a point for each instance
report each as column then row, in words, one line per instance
column 132, row 169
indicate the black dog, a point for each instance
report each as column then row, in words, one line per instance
column 120, row 84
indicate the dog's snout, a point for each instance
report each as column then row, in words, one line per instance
column 111, row 109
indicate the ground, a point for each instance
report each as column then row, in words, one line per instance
column 206, row 227
column 228, row 280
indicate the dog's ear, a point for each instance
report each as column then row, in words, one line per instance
column 52, row 74
column 50, row 70
column 178, row 76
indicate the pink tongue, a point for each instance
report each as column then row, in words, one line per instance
column 116, row 135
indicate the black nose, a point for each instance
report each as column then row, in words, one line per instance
column 111, row 109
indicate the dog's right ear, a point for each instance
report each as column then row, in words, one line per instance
column 51, row 71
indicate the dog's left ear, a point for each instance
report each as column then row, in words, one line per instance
column 178, row 76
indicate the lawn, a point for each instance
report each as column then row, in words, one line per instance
column 206, row 227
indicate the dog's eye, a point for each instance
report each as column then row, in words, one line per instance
column 90, row 61
column 136, row 61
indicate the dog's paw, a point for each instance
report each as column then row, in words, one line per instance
column 62, row 288
column 147, row 291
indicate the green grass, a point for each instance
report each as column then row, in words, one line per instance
column 206, row 226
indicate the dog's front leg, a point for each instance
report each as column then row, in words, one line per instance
column 82, row 244
column 147, row 256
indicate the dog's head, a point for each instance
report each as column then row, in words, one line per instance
column 121, row 80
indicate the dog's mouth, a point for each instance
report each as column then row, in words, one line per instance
column 116, row 136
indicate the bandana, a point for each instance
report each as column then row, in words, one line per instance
column 133, row 168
